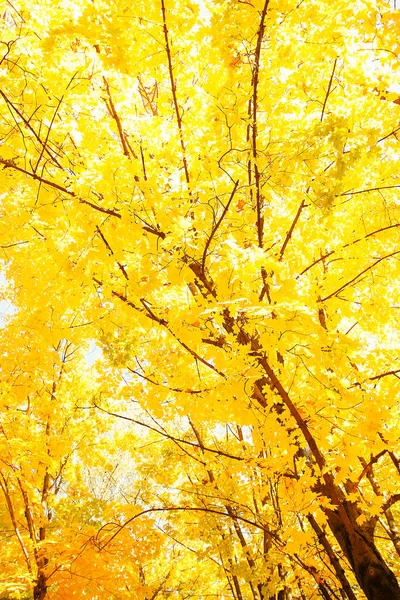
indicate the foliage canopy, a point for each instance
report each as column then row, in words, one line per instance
column 199, row 241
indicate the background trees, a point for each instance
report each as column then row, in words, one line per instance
column 206, row 195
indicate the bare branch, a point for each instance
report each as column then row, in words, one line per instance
column 168, row 509
column 345, row 285
column 174, row 94
column 384, row 187
column 115, row 116
column 4, row 487
column 293, row 225
column 394, row 372
column 44, row 144
column 328, row 91
column 216, row 226
column 392, row 500
column 107, row 245
column 9, row 164
column 366, row 469
column 254, row 125
column 168, row 436
column 151, row 315
column 31, row 129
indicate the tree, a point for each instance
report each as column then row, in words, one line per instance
column 208, row 191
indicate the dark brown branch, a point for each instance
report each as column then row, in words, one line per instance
column 384, row 187
column 179, row 390
column 150, row 314
column 340, row 573
column 345, row 285
column 208, row 285
column 149, row 96
column 174, row 94
column 293, row 225
column 170, row 437
column 255, row 80
column 107, row 245
column 392, row 500
column 106, row 211
column 328, row 91
column 115, row 116
column 302, row 425
column 6, row 492
column 372, row 233
column 44, row 145
column 389, row 134
column 15, row 244
column 168, row 509
column 394, row 372
column 31, row 129
column 9, row 164
column 347, row 245
column 366, row 469
column 18, row 13
column 160, row 234
column 216, row 226
column 319, row 580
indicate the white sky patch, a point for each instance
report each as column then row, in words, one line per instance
column 7, row 308
column 93, row 354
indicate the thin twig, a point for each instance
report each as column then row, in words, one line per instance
column 255, row 79
column 376, row 189
column 366, row 469
column 347, row 245
column 31, row 129
column 345, row 285
column 107, row 245
column 328, row 91
column 9, row 164
column 168, row 436
column 174, row 94
column 385, row 374
column 44, row 145
column 143, row 163
column 169, row 509
column 150, row 314
column 216, row 226
column 293, row 225
column 115, row 116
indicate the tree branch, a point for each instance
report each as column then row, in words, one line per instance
column 392, row 500
column 293, row 225
column 255, row 79
column 216, row 226
column 167, row 435
column 4, row 487
column 345, row 285
column 174, row 95
column 101, row 546
column 150, row 314
column 115, row 116
column 385, row 374
column 366, row 469
column 328, row 91
column 9, row 164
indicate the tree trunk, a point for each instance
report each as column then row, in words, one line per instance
column 372, row 573
column 40, row 589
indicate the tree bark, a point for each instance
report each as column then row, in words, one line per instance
column 373, row 575
column 40, row 589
